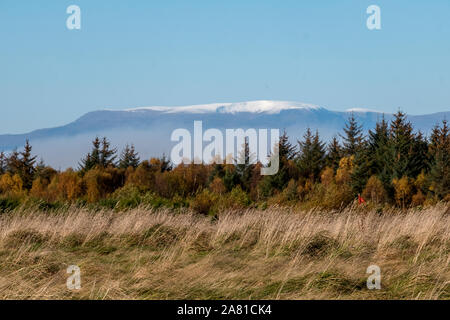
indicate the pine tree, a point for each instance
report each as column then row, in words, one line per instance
column 100, row 155
column 285, row 149
column 353, row 137
column 334, row 154
column 311, row 158
column 408, row 150
column 287, row 153
column 245, row 165
column 419, row 156
column 27, row 168
column 361, row 168
column 381, row 154
column 378, row 144
column 107, row 155
column 129, row 158
column 440, row 165
column 95, row 153
column 92, row 159
column 166, row 165
column 2, row 163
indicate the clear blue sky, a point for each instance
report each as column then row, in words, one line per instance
column 141, row 53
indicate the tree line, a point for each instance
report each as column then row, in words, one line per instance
column 390, row 165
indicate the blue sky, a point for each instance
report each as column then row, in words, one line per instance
column 141, row 53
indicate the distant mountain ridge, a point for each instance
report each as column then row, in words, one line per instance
column 150, row 127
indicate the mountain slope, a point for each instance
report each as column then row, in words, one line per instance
column 150, row 127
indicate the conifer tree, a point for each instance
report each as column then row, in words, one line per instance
column 27, row 168
column 353, row 137
column 129, row 158
column 107, row 155
column 311, row 158
column 381, row 154
column 362, row 169
column 92, row 159
column 95, row 153
column 100, row 155
column 244, row 165
column 440, row 165
column 334, row 154
column 419, row 156
column 287, row 153
column 2, row 163
column 166, row 165
column 408, row 149
column 286, row 150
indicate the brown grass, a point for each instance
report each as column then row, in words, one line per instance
column 271, row 254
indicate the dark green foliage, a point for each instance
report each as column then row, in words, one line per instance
column 408, row 150
column 334, row 154
column 27, row 168
column 107, row 155
column 287, row 153
column 165, row 164
column 392, row 151
column 286, row 150
column 362, row 168
column 21, row 163
column 8, row 204
column 353, row 137
column 311, row 159
column 244, row 166
column 373, row 158
column 129, row 158
column 439, row 151
column 231, row 179
column 2, row 163
column 101, row 155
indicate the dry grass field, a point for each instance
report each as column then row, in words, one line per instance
column 271, row 254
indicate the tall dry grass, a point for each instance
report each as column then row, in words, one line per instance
column 271, row 254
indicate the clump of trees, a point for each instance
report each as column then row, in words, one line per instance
column 391, row 165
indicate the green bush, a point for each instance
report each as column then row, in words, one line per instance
column 8, row 204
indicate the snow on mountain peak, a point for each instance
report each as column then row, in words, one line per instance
column 362, row 110
column 261, row 106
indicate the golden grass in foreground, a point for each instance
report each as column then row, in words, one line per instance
column 272, row 254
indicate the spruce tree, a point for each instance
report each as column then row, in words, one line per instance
column 381, row 154
column 129, row 158
column 334, row 154
column 353, row 137
column 101, row 155
column 2, row 163
column 408, row 157
column 286, row 150
column 166, row 165
column 440, row 165
column 107, row 155
column 362, row 169
column 245, row 165
column 419, row 156
column 27, row 169
column 92, row 159
column 95, row 153
column 311, row 158
column 287, row 153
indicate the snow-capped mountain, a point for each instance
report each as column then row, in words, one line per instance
column 150, row 128
column 261, row 106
